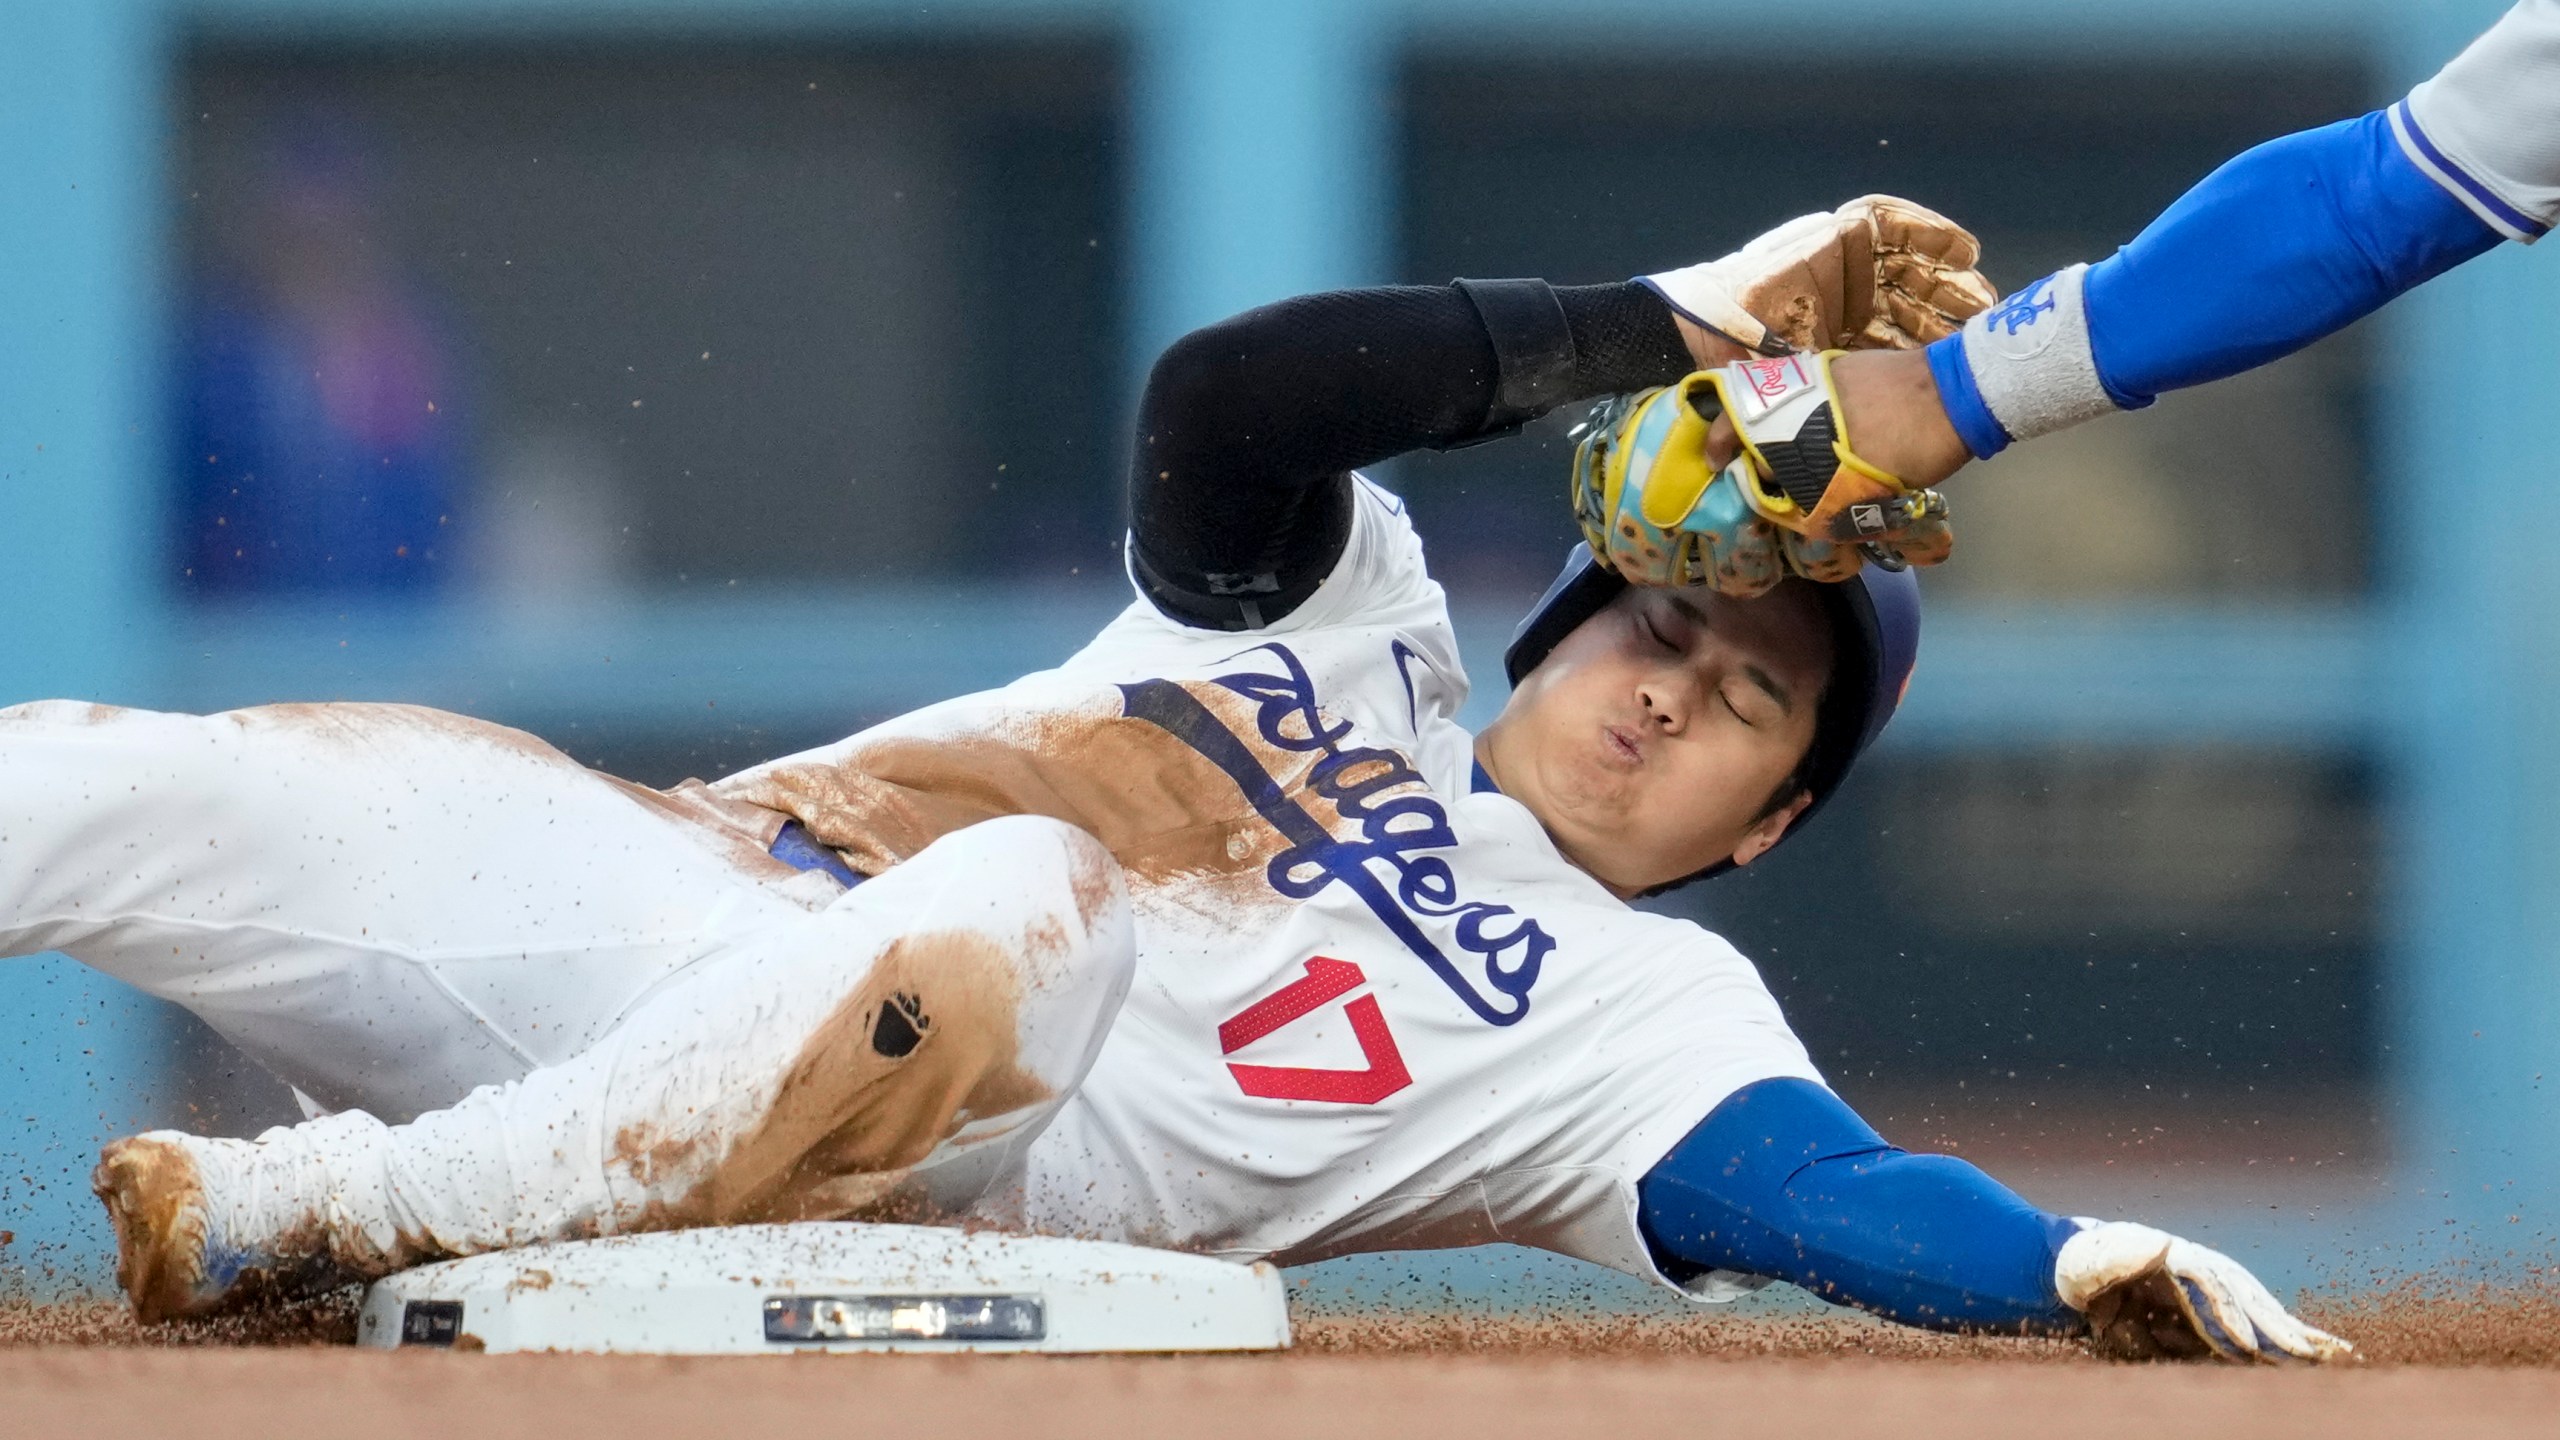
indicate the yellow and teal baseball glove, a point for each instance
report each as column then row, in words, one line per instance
column 1796, row 500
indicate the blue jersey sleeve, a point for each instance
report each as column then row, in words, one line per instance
column 2287, row 243
column 1784, row 1180
column 2290, row 242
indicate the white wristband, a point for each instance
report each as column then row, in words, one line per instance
column 2031, row 360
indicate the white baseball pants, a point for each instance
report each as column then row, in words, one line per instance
column 601, row 1016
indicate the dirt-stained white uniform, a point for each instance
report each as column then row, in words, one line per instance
column 1395, row 1016
column 1372, row 1006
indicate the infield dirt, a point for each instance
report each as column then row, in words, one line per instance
column 2435, row 1364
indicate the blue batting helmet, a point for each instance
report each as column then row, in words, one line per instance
column 1875, row 627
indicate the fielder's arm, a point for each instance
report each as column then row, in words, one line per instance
column 2287, row 243
column 1782, row 1179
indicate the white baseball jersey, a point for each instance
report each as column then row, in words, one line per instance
column 1374, row 1007
column 2487, row 126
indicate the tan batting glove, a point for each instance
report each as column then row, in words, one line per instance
column 1878, row 273
column 2152, row 1296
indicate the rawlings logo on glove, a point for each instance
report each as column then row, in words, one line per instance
column 1769, row 379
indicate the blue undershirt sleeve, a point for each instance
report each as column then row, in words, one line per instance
column 2285, row 244
column 1784, row 1180
column 1961, row 398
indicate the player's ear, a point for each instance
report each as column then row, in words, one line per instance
column 1769, row 828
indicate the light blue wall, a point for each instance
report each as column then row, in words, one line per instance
column 1262, row 141
column 80, row 149
column 81, row 608
column 2473, row 435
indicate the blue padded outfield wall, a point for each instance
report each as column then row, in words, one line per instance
column 1260, row 160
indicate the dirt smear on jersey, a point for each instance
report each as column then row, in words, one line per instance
column 61, row 712
column 1172, row 819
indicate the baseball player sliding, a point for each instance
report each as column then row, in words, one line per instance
column 1221, row 935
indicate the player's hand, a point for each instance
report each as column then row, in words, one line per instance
column 1654, row 509
column 2152, row 1296
column 1891, row 400
column 1878, row 273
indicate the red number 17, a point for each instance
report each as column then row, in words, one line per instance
column 1326, row 980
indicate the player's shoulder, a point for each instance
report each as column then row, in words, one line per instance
column 1690, row 996
column 1381, row 577
column 1379, row 590
column 1388, row 502
column 1628, row 948
column 1379, row 517
column 1674, row 951
column 1676, row 974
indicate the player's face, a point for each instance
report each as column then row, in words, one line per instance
column 1649, row 742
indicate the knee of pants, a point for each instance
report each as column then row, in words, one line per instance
column 1057, row 904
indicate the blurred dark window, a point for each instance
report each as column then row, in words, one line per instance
column 702, row 315
column 2195, row 930
column 323, row 428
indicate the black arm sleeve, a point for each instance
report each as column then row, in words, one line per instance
column 1240, row 493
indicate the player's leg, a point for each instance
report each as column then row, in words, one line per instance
column 891, row 1045
column 384, row 905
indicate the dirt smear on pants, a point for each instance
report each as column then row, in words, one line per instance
column 926, row 1045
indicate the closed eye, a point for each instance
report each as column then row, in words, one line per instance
column 1767, row 685
column 1675, row 630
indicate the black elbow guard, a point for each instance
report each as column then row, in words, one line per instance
column 1532, row 348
